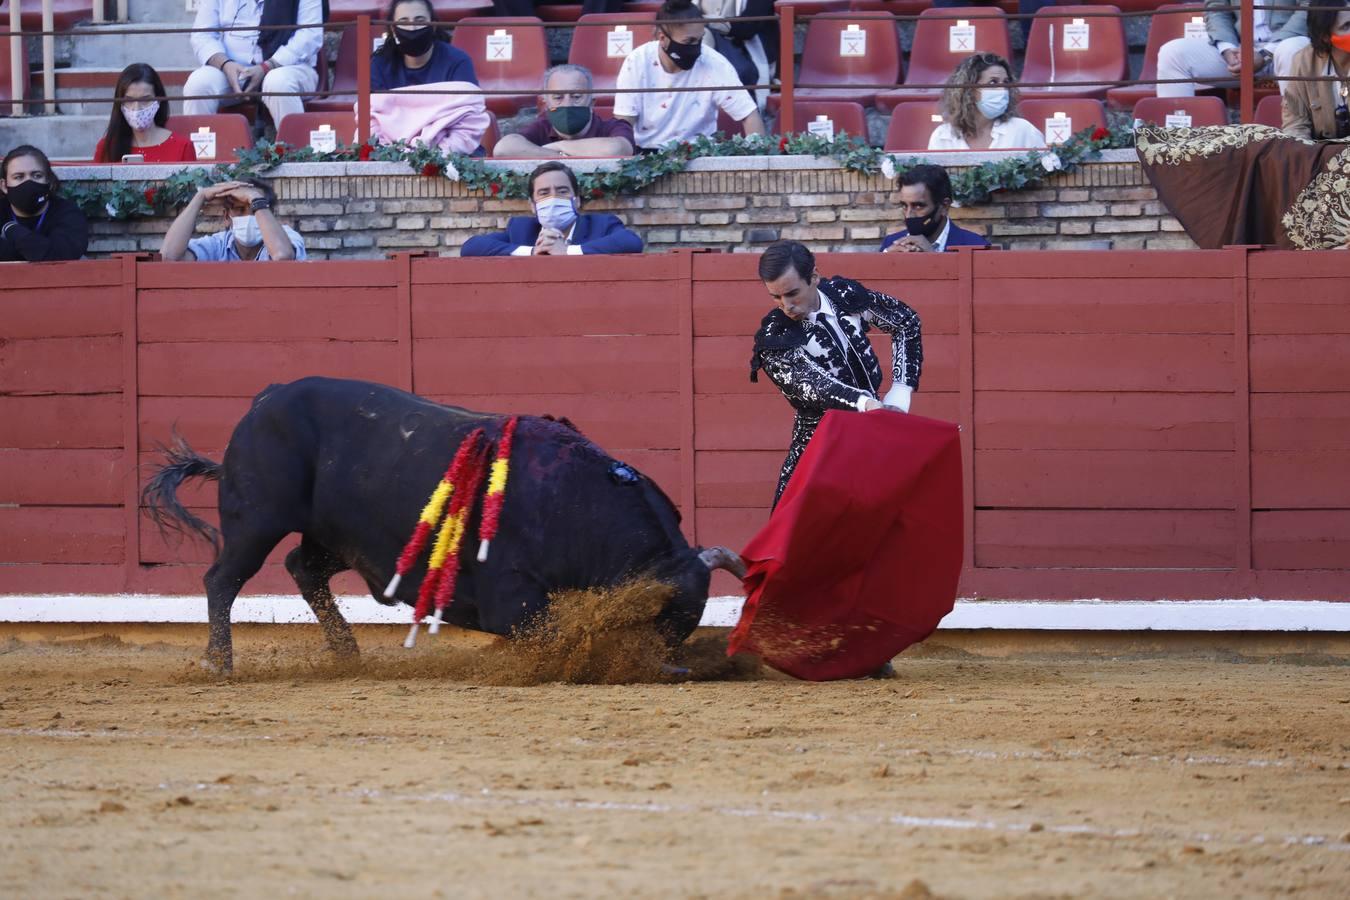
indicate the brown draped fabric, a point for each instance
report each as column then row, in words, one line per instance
column 1250, row 184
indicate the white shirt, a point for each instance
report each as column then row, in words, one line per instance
column 899, row 394
column 242, row 46
column 1014, row 134
column 664, row 116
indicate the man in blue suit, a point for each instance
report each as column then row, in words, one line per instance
column 925, row 201
column 558, row 227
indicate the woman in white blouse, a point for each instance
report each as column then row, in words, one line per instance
column 983, row 117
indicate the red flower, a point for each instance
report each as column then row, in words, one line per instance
column 495, row 187
column 431, row 170
column 364, row 153
column 782, row 143
column 597, row 193
column 150, row 195
column 1100, row 134
column 281, row 149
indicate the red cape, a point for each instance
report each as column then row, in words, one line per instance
column 862, row 555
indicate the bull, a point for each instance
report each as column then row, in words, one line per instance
column 348, row 466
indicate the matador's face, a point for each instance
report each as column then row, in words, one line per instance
column 797, row 297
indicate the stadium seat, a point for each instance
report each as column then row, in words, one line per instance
column 1103, row 59
column 457, row 10
column 1167, row 24
column 590, row 46
column 894, row 7
column 344, row 78
column 1202, row 110
column 812, row 7
column 1270, row 111
column 1128, row 5
column 912, row 124
column 65, row 13
column 296, row 127
column 933, row 58
column 845, row 115
column 519, row 68
column 859, row 77
column 231, row 129
column 1082, row 113
column 349, row 10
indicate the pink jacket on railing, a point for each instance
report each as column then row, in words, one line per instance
column 455, row 123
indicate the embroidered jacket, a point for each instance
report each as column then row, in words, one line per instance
column 806, row 363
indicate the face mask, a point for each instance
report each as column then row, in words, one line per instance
column 555, row 212
column 140, row 119
column 683, row 55
column 993, row 102
column 246, row 230
column 414, row 41
column 29, row 197
column 569, row 119
column 1341, row 42
column 924, row 226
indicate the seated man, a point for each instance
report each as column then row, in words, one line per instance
column 567, row 124
column 253, row 231
column 1279, row 35
column 678, row 59
column 925, row 201
column 557, row 227
column 269, row 63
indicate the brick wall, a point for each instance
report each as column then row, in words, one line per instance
column 739, row 204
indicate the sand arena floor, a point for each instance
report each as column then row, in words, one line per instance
column 127, row 772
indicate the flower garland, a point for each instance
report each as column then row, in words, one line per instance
column 974, row 184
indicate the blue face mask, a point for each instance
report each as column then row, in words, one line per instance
column 555, row 212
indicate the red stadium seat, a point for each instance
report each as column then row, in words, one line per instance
column 519, row 69
column 231, row 129
column 344, row 78
column 590, row 46
column 1167, row 24
column 912, row 124
column 894, row 7
column 65, row 13
column 845, row 115
column 1103, row 59
column 812, row 7
column 348, row 10
column 1202, row 110
column 1082, row 113
column 859, row 78
column 457, row 10
column 1270, row 111
column 295, row 128
column 932, row 58
column 558, row 12
column 1128, row 5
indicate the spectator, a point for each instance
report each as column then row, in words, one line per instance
column 39, row 225
column 263, row 63
column 750, row 47
column 926, row 202
column 1279, row 35
column 417, row 51
column 677, row 59
column 1316, row 110
column 557, row 227
column 567, row 124
column 984, row 117
column 136, row 124
column 254, row 232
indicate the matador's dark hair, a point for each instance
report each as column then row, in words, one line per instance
column 782, row 255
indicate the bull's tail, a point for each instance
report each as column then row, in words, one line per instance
column 160, row 494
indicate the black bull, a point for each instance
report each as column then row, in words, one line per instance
column 349, row 465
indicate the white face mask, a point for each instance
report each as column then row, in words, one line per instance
column 140, row 119
column 246, row 230
column 555, row 212
column 993, row 102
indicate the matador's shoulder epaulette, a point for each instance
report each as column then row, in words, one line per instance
column 776, row 332
column 849, row 297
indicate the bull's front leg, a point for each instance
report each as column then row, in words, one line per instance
column 313, row 567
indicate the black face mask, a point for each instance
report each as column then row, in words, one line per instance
column 683, row 55
column 925, row 226
column 569, row 120
column 414, row 41
column 29, row 198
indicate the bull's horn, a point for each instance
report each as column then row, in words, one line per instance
column 722, row 558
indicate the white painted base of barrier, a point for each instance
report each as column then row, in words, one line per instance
column 1039, row 615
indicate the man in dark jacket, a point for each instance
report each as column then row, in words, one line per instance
column 557, row 228
column 925, row 204
column 35, row 224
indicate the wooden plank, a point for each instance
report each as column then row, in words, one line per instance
column 62, row 421
column 761, row 421
column 277, row 277
column 864, row 267
column 1299, row 306
column 1301, row 539
column 202, row 421
column 614, row 421
column 1103, row 584
column 1092, row 305
column 1302, row 362
column 722, row 365
column 555, row 365
column 234, row 313
column 62, row 477
column 1301, row 421
column 1019, row 420
column 1301, row 479
column 1109, row 264
column 1104, row 479
column 47, row 578
column 85, row 365
column 52, row 312
column 187, row 580
column 723, row 309
column 85, row 535
column 1103, row 362
column 173, row 549
column 543, row 270
column 551, row 309
column 237, row 369
column 1145, row 539
column 1285, row 265
column 738, row 478
column 82, row 274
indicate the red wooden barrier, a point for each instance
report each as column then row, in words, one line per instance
column 1141, row 425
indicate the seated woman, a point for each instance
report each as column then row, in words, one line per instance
column 416, row 50
column 38, row 225
column 136, row 125
column 983, row 117
column 1317, row 110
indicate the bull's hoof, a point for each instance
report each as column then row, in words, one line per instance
column 886, row 671
column 216, row 667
